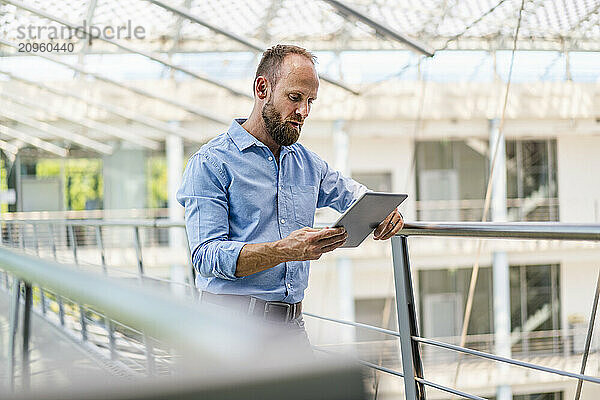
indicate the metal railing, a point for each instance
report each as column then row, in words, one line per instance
column 166, row 326
column 83, row 244
column 410, row 341
column 408, row 332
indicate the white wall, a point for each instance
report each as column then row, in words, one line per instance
column 578, row 159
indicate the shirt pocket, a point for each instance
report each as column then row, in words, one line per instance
column 304, row 199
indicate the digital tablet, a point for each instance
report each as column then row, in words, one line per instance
column 366, row 214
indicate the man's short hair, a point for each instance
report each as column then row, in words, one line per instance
column 272, row 58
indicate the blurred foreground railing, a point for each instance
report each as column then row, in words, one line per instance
column 139, row 330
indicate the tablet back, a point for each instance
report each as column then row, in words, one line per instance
column 366, row 214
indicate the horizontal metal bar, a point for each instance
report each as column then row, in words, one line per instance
column 363, row 362
column 505, row 360
column 123, row 85
column 113, row 109
column 512, row 230
column 383, row 30
column 145, row 309
column 111, row 131
column 356, row 324
column 182, row 12
column 34, row 141
column 155, row 223
column 74, row 137
column 449, row 390
column 152, row 56
column 400, row 374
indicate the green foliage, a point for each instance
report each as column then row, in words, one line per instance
column 3, row 184
column 157, row 182
column 82, row 179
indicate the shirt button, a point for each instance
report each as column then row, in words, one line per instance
column 289, row 285
column 282, row 221
column 270, row 158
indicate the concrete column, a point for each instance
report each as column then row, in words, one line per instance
column 501, row 279
column 174, row 150
column 177, row 241
column 124, row 174
column 344, row 264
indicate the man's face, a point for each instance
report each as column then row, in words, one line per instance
column 290, row 100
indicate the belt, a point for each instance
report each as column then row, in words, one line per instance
column 276, row 311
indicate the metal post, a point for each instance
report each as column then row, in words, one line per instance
column 26, row 371
column 588, row 338
column 407, row 320
column 108, row 325
column 61, row 308
column 138, row 251
column 100, row 245
column 73, row 243
column 36, row 245
column 82, row 320
column 22, row 238
column 13, row 326
column 150, row 365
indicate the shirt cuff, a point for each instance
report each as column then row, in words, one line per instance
column 219, row 259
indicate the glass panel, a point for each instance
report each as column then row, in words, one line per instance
column 377, row 181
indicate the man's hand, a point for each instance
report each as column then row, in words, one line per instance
column 309, row 243
column 390, row 226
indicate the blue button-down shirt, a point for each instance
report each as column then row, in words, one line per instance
column 234, row 193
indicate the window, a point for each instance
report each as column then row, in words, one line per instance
column 452, row 179
column 377, row 312
column 443, row 297
column 377, row 181
column 531, row 180
column 535, row 306
column 534, row 301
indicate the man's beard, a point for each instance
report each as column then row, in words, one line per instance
column 280, row 131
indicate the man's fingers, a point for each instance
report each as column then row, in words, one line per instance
column 389, row 228
column 330, row 232
column 333, row 246
column 333, row 239
column 383, row 224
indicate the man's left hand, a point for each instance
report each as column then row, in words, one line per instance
column 390, row 226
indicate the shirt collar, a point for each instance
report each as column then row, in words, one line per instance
column 243, row 139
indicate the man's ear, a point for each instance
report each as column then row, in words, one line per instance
column 261, row 87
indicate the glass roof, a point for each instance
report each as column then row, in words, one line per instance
column 317, row 24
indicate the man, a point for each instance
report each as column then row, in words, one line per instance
column 250, row 197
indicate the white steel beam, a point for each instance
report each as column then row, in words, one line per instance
column 194, row 110
column 34, row 141
column 347, row 11
column 61, row 133
column 8, row 147
column 113, row 109
column 152, row 56
column 251, row 45
column 85, row 122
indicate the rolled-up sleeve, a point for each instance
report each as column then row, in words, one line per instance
column 338, row 191
column 203, row 193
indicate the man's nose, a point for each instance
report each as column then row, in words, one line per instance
column 303, row 109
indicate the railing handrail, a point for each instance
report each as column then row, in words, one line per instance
column 505, row 230
column 157, row 315
column 145, row 223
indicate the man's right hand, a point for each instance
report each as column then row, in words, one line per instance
column 309, row 243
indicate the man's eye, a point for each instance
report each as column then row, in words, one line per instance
column 294, row 97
